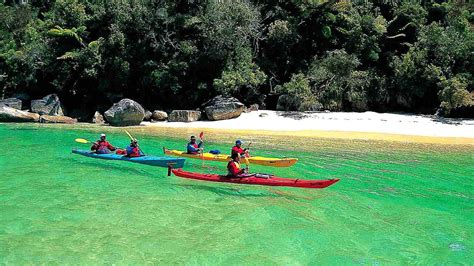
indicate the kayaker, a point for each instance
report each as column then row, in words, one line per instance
column 193, row 147
column 233, row 167
column 238, row 149
column 133, row 150
column 102, row 146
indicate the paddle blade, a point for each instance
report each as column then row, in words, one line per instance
column 84, row 141
column 201, row 135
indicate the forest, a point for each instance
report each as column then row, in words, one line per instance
column 295, row 55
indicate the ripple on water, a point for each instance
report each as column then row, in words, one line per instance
column 396, row 203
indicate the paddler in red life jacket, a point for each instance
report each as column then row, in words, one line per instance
column 233, row 167
column 133, row 150
column 102, row 146
column 193, row 147
column 238, row 149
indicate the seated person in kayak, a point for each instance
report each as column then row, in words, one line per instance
column 238, row 149
column 233, row 167
column 102, row 146
column 193, row 147
column 133, row 150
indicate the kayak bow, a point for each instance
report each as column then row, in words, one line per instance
column 276, row 162
column 148, row 160
column 257, row 179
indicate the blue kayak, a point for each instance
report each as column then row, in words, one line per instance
column 148, row 160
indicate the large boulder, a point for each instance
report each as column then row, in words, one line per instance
column 125, row 113
column 57, row 119
column 49, row 105
column 184, row 116
column 11, row 102
column 221, row 108
column 159, row 115
column 98, row 118
column 8, row 114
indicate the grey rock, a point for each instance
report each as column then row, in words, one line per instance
column 49, row 105
column 11, row 102
column 57, row 119
column 263, row 115
column 125, row 113
column 251, row 108
column 8, row 114
column 184, row 116
column 148, row 115
column 159, row 115
column 98, row 118
column 222, row 108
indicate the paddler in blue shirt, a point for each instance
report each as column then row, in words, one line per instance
column 193, row 147
column 133, row 150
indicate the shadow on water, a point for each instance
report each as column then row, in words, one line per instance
column 24, row 129
column 243, row 193
column 128, row 169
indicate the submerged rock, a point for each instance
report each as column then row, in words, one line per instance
column 125, row 113
column 12, row 102
column 222, row 108
column 159, row 115
column 184, row 116
column 57, row 119
column 8, row 114
column 49, row 105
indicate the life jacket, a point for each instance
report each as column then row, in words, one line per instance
column 194, row 145
column 133, row 151
column 103, row 146
column 232, row 164
column 238, row 150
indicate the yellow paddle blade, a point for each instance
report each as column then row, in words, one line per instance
column 132, row 138
column 85, row 141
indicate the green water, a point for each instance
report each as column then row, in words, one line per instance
column 395, row 204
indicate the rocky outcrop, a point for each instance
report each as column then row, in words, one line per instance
column 8, row 114
column 49, row 105
column 57, row 119
column 11, row 102
column 125, row 113
column 159, row 115
column 184, row 116
column 98, row 118
column 221, row 108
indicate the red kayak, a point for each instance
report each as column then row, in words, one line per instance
column 257, row 179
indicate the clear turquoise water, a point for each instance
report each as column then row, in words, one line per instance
column 396, row 203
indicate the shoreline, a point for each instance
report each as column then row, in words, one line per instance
column 339, row 125
column 367, row 126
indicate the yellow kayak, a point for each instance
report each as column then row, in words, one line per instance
column 276, row 162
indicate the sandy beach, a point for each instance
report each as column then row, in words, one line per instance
column 370, row 125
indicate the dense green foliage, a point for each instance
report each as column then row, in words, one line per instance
column 338, row 55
